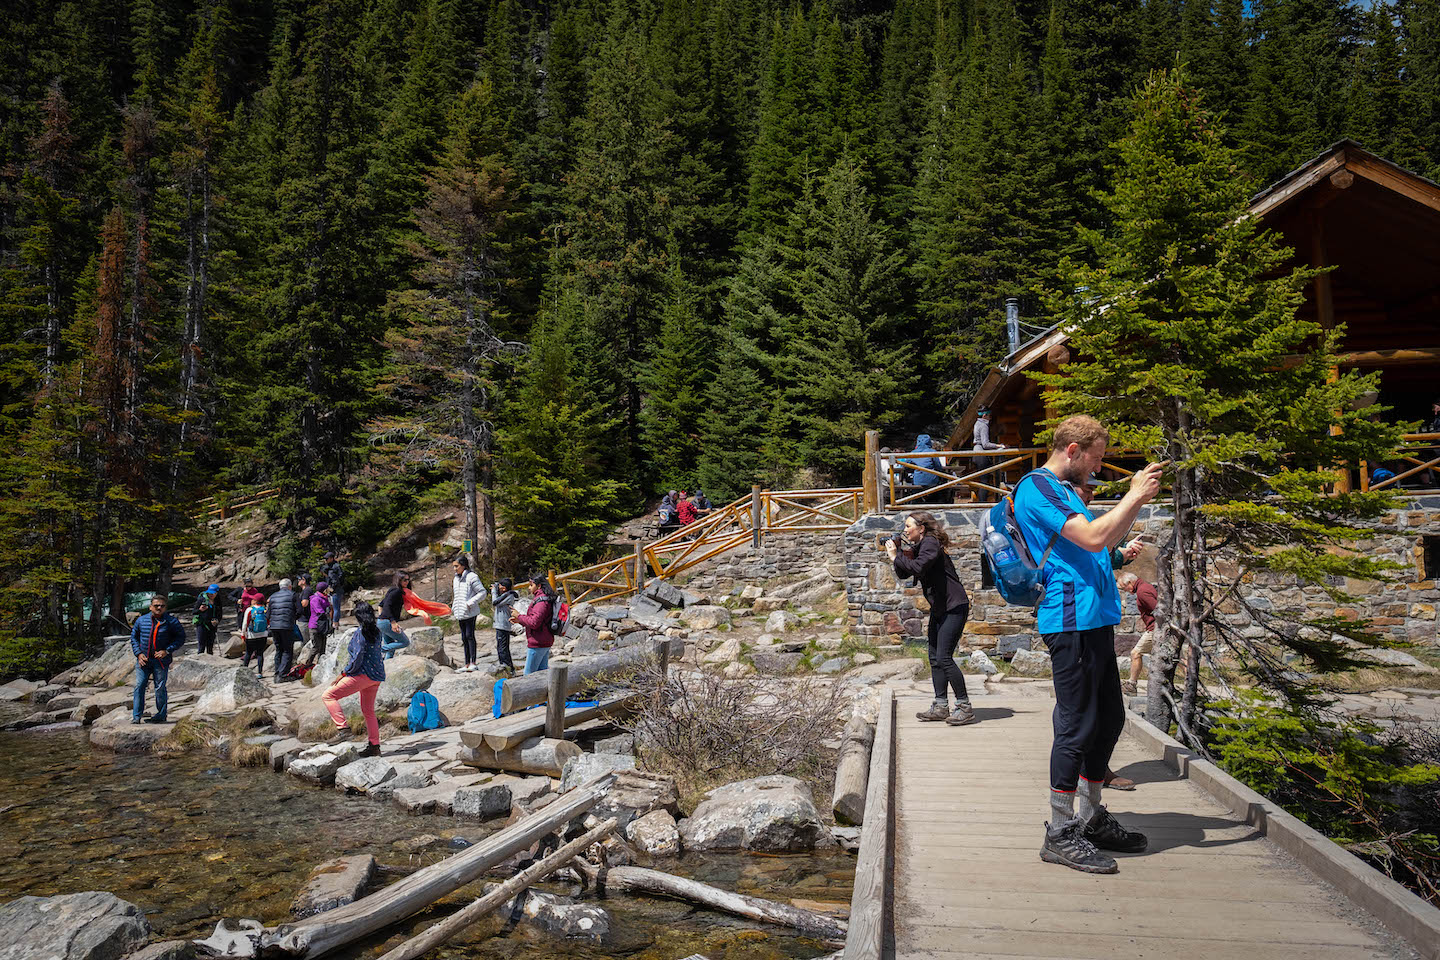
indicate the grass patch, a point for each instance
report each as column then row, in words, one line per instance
column 189, row 734
column 250, row 755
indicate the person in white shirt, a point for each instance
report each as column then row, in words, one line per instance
column 466, row 590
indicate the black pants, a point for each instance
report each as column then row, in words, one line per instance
column 255, row 648
column 284, row 650
column 467, row 639
column 502, row 648
column 1089, row 708
column 318, row 637
column 945, row 630
column 204, row 641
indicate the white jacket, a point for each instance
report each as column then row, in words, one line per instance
column 465, row 594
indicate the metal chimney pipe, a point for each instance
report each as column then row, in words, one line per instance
column 1012, row 322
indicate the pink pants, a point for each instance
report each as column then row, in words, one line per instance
column 343, row 688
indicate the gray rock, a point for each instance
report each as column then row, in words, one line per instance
column 265, row 739
column 463, row 696
column 767, row 814
column 75, row 926
column 978, row 662
column 45, row 693
column 229, row 690
column 635, row 794
column 588, row 766
column 776, row 664
column 282, row 751
column 115, row 732
column 408, row 776
column 1395, row 658
column 438, row 798
column 115, row 666
column 612, row 613
column 194, row 671
column 781, row 621
column 318, row 764
column 655, row 834
column 792, row 646
column 643, row 607
column 665, row 593
column 1006, row 646
column 403, row 676
column 482, row 801
column 166, row 950
column 706, row 617
column 526, row 789
column 427, row 643
column 1031, row 663
column 834, row 665
column 333, row 884
column 241, row 941
column 559, row 916
column 359, row 776
column 624, row 744
column 752, row 592
column 847, row 837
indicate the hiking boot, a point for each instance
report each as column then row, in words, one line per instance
column 939, row 710
column 1105, row 832
column 156, row 719
column 1070, row 848
column 135, row 721
column 1128, row 686
column 371, row 750
column 1114, row 780
column 961, row 715
column 340, row 736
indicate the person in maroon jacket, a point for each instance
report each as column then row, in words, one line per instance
column 536, row 621
column 1146, row 601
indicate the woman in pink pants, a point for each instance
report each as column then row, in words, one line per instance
column 364, row 674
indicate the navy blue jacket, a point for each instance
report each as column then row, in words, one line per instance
column 149, row 638
column 366, row 659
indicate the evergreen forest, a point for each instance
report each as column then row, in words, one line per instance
column 553, row 257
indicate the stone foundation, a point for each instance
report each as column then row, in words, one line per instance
column 885, row 610
column 779, row 556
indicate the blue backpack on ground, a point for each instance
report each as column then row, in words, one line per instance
column 424, row 712
column 1019, row 580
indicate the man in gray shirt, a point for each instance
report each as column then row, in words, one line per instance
column 983, row 442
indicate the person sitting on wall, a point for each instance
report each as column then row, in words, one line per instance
column 685, row 510
column 666, row 512
column 923, row 464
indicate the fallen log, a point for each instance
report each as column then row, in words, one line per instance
column 656, row 883
column 520, row 692
column 536, row 755
column 852, row 772
column 506, row 732
column 345, row 925
column 453, row 924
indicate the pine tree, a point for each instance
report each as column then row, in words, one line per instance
column 674, row 379
column 554, row 498
column 1417, row 137
column 1372, row 103
column 1185, row 329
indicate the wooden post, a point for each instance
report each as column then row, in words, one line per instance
column 1325, row 313
column 639, row 566
column 868, row 476
column 662, row 656
column 555, row 704
column 755, row 516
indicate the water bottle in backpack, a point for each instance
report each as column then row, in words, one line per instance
column 1019, row 579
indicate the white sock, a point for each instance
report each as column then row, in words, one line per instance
column 1062, row 809
column 1087, row 799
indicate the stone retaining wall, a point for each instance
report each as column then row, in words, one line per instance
column 885, row 610
column 779, row 556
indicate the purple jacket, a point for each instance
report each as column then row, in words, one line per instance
column 319, row 607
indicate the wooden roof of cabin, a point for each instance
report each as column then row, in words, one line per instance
column 1375, row 221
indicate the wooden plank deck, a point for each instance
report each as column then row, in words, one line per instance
column 968, row 880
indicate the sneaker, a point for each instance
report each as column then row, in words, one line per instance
column 1114, row 780
column 961, row 715
column 1071, row 849
column 155, row 719
column 371, row 750
column 135, row 721
column 1105, row 832
column 1129, row 687
column 939, row 710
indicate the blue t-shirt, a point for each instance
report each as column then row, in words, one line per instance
column 1080, row 591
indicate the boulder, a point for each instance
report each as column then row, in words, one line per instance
column 115, row 666
column 780, row 621
column 334, row 660
column 624, row 743
column 978, row 662
column 665, row 593
column 1031, row 663
column 776, row 664
column 115, row 732
column 463, row 696
column 706, row 617
column 195, row 671
column 75, row 926
column 727, row 652
column 428, row 643
column 318, row 764
column 333, row 884
column 482, row 801
column 309, row 718
column 43, row 694
column 646, row 612
column 834, row 665
column 772, row 814
column 558, row 916
column 359, row 776
column 655, row 834
column 403, row 676
column 282, row 751
column 229, row 690
column 231, row 647
column 19, row 689
column 635, row 794
column 751, row 592
column 1395, row 658
column 588, row 766
column 768, row 604
column 1006, row 646
column 166, row 950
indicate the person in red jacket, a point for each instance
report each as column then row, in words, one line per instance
column 1145, row 602
column 536, row 621
column 685, row 509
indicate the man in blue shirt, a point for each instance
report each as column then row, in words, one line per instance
column 1077, row 618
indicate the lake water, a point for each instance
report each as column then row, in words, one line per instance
column 192, row 839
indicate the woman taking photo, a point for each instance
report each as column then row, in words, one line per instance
column 320, row 621
column 466, row 592
column 392, row 611
column 536, row 621
column 920, row 553
column 363, row 674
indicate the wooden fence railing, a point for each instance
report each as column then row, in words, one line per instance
column 750, row 519
column 1418, row 456
column 223, row 508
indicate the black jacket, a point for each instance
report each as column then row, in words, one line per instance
column 392, row 608
column 333, row 574
column 282, row 612
column 933, row 567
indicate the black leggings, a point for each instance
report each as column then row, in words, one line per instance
column 467, row 639
column 502, row 648
column 204, row 641
column 945, row 630
column 256, row 648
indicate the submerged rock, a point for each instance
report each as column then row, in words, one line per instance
column 75, row 926
column 333, row 884
column 558, row 916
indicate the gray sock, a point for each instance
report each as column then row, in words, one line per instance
column 1087, row 799
column 943, row 703
column 963, row 702
column 1062, row 809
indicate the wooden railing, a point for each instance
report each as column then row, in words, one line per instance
column 750, row 519
column 956, row 469
column 223, row 508
column 1418, row 456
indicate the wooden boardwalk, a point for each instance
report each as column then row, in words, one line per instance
column 969, row 882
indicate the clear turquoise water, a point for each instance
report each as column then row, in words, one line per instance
column 192, row 839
